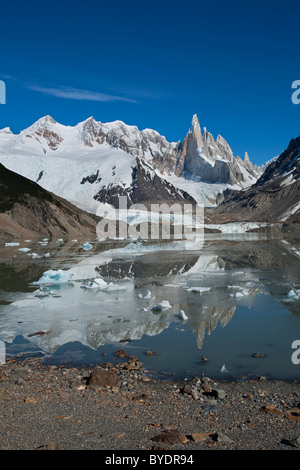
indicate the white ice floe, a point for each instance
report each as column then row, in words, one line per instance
column 182, row 315
column 41, row 293
column 242, row 293
column 114, row 287
column 87, row 246
column 54, row 277
column 197, row 289
column 97, row 283
column 34, row 255
column 164, row 305
column 294, row 294
column 148, row 295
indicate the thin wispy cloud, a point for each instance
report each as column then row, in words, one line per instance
column 78, row 94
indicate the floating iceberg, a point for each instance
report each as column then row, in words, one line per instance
column 86, row 246
column 164, row 305
column 97, row 283
column 148, row 295
column 242, row 293
column 197, row 289
column 294, row 294
column 54, row 277
column 182, row 315
column 114, row 287
column 34, row 255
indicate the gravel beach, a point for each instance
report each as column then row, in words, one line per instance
column 123, row 407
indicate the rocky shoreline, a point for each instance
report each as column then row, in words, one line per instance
column 124, row 407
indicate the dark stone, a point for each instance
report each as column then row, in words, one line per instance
column 121, row 353
column 170, row 436
column 104, row 378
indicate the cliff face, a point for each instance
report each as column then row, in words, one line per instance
column 27, row 210
column 276, row 194
column 212, row 161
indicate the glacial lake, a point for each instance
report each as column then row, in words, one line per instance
column 238, row 292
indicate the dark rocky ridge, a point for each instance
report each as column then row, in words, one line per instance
column 147, row 188
column 274, row 197
column 27, row 210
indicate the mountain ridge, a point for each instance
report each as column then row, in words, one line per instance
column 66, row 159
column 274, row 197
column 27, row 210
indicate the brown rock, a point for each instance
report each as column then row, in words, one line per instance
column 51, row 445
column 271, row 409
column 150, row 353
column 170, row 436
column 133, row 366
column 40, row 333
column 142, row 398
column 104, row 378
column 199, row 436
column 221, row 438
column 293, row 414
column 186, row 389
column 295, row 442
column 121, row 353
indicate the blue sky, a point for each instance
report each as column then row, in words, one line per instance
column 155, row 64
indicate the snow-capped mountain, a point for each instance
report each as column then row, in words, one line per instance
column 95, row 162
column 276, row 194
